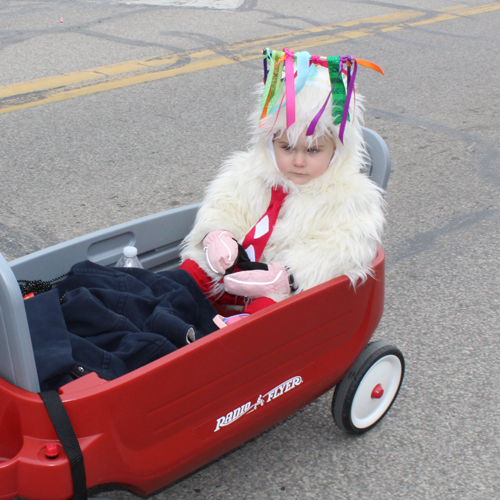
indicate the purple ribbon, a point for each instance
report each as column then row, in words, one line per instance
column 315, row 120
column 350, row 89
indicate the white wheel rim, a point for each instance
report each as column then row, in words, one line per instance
column 365, row 410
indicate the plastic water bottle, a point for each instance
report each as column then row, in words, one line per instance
column 129, row 258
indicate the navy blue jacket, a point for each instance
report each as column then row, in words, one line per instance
column 112, row 321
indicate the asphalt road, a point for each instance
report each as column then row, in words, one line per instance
column 96, row 148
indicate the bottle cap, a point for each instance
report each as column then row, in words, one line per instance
column 130, row 252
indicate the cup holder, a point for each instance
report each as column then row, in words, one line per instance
column 11, row 437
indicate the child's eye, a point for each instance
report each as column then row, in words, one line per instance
column 287, row 147
column 313, row 150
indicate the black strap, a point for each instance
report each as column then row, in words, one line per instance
column 67, row 437
column 244, row 263
column 252, row 266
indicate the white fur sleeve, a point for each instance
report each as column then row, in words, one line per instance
column 345, row 243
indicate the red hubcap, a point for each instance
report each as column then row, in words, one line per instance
column 377, row 392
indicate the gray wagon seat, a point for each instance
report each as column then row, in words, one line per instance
column 157, row 238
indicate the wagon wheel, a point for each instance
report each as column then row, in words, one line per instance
column 370, row 387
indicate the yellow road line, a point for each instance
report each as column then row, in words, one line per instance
column 68, row 85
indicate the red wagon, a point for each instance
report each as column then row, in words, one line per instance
column 165, row 420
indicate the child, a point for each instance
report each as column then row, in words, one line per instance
column 295, row 201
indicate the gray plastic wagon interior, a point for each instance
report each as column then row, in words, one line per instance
column 157, row 238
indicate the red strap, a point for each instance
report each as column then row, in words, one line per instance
column 255, row 241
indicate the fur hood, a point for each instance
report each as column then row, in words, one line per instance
column 308, row 102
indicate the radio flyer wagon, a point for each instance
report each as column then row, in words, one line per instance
column 160, row 422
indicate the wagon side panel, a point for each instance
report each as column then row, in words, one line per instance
column 179, row 413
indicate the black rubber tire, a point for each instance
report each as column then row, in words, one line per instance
column 343, row 397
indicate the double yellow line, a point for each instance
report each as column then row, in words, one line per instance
column 68, row 85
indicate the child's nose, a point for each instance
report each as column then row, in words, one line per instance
column 299, row 159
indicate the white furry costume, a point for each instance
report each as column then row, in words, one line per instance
column 329, row 227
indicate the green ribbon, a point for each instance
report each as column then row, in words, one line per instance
column 338, row 88
column 273, row 83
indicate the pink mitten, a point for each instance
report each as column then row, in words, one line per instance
column 258, row 283
column 221, row 250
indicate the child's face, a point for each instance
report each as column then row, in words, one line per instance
column 303, row 163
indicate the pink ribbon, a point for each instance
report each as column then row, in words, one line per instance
column 289, row 88
column 318, row 61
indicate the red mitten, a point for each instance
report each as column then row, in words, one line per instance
column 221, row 250
column 258, row 283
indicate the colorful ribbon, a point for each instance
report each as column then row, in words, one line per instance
column 289, row 88
column 273, row 84
column 337, row 89
column 351, row 62
column 295, row 81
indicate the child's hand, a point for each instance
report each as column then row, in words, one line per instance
column 221, row 250
column 258, row 283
